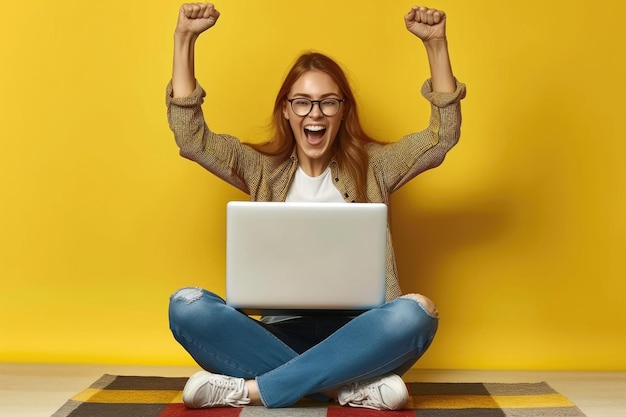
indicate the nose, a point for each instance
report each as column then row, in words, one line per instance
column 316, row 110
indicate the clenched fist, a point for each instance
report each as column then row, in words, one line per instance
column 195, row 18
column 427, row 24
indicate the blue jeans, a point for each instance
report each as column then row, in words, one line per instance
column 300, row 357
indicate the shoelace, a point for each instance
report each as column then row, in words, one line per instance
column 226, row 392
column 365, row 396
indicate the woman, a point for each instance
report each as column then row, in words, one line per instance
column 319, row 152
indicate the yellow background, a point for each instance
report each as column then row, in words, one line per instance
column 518, row 237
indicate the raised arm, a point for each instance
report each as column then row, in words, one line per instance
column 193, row 19
column 430, row 26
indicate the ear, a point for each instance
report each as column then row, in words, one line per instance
column 286, row 110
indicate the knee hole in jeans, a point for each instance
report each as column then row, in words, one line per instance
column 187, row 295
column 425, row 303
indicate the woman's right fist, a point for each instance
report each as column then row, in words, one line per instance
column 195, row 18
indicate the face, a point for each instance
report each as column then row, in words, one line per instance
column 314, row 133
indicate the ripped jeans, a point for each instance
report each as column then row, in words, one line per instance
column 302, row 356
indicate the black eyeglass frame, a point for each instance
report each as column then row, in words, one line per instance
column 319, row 105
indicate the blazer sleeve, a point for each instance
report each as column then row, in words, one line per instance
column 221, row 154
column 399, row 162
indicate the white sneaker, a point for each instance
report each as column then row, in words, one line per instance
column 204, row 390
column 387, row 392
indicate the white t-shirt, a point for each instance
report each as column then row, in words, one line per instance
column 313, row 189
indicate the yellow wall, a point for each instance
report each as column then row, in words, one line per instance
column 518, row 236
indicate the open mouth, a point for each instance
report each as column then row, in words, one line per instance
column 314, row 133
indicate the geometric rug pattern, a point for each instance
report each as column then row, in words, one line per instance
column 150, row 396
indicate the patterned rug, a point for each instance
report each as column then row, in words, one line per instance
column 143, row 396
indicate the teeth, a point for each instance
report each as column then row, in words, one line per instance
column 314, row 128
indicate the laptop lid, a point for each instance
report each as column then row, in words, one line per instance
column 305, row 257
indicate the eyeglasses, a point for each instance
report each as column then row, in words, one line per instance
column 302, row 106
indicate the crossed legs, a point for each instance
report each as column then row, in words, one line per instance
column 387, row 339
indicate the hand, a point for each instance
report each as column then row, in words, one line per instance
column 195, row 18
column 427, row 24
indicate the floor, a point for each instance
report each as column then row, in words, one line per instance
column 35, row 390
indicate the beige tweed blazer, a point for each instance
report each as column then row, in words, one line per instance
column 265, row 178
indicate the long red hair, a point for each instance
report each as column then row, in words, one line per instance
column 349, row 146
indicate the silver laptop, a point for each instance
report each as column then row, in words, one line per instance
column 305, row 258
